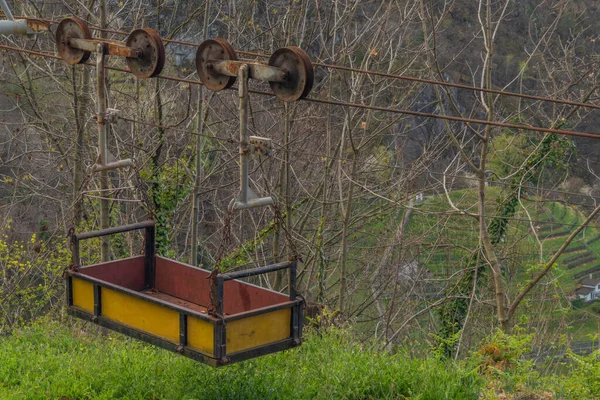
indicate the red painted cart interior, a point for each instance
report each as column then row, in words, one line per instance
column 183, row 285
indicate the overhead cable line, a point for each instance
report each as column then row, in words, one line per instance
column 383, row 74
column 358, row 105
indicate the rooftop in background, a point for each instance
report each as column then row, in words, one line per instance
column 590, row 282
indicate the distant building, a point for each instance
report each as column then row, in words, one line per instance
column 589, row 290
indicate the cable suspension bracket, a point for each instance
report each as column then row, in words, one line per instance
column 290, row 74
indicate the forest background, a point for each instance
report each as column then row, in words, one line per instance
column 416, row 233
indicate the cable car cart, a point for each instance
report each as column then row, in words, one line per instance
column 209, row 316
column 168, row 304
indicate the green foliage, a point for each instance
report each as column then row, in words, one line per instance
column 30, row 278
column 452, row 314
column 502, row 359
column 240, row 255
column 577, row 303
column 595, row 307
column 170, row 185
column 47, row 361
column 380, row 164
column 583, row 378
column 508, row 152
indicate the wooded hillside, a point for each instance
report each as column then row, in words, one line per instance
column 439, row 182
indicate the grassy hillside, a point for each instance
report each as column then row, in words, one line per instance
column 50, row 361
column 77, row 360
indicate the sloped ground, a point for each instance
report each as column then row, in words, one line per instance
column 77, row 360
column 50, row 361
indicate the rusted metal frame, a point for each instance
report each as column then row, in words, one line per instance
column 146, row 337
column 183, row 330
column 217, row 339
column 21, row 27
column 116, row 229
column 259, row 351
column 221, row 349
column 143, row 296
column 97, row 300
column 75, row 257
column 256, row 70
column 296, row 323
column 103, row 165
column 149, row 258
column 102, row 147
column 37, row 25
column 221, row 325
column 300, row 316
column 69, row 291
column 113, row 48
column 244, row 148
column 262, row 310
column 220, row 291
column 258, row 271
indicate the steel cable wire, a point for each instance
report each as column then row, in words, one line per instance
column 357, row 105
column 378, row 73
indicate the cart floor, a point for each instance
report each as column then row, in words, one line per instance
column 175, row 300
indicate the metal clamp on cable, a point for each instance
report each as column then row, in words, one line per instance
column 290, row 75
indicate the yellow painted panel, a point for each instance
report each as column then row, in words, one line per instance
column 141, row 314
column 83, row 294
column 258, row 330
column 201, row 335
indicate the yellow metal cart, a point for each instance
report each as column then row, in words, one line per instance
column 174, row 305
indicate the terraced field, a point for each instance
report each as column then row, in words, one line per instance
column 581, row 260
column 446, row 238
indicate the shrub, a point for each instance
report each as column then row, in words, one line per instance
column 30, row 278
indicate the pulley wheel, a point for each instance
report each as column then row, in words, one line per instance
column 153, row 53
column 72, row 28
column 300, row 73
column 214, row 49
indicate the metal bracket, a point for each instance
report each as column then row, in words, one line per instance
column 128, row 162
column 260, row 145
column 247, row 198
column 252, row 201
column 256, row 70
column 28, row 26
column 113, row 48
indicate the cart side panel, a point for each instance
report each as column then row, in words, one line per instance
column 258, row 330
column 141, row 314
column 190, row 284
column 182, row 281
column 83, row 294
column 128, row 273
column 200, row 335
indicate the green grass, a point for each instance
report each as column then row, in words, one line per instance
column 78, row 361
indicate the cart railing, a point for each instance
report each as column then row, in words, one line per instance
column 228, row 276
column 149, row 245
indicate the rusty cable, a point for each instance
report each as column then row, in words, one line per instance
column 378, row 73
column 362, row 106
